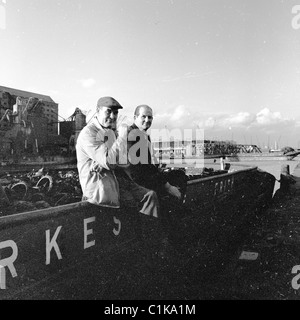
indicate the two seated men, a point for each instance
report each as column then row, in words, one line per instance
column 106, row 179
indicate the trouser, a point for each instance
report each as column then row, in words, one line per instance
column 154, row 182
column 144, row 204
column 134, row 195
column 171, row 208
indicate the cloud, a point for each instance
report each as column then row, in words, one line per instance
column 266, row 117
column 209, row 123
column 246, row 127
column 179, row 113
column 240, row 119
column 182, row 117
column 177, row 118
column 238, row 126
column 87, row 83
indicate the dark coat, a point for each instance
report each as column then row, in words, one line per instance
column 142, row 169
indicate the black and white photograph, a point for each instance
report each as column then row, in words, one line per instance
column 150, row 152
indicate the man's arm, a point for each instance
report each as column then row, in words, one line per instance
column 104, row 153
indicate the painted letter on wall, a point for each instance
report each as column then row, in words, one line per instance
column 87, row 232
column 52, row 244
column 8, row 262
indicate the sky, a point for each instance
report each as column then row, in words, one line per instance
column 229, row 67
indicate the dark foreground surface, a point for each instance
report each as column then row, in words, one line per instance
column 271, row 257
column 262, row 263
column 274, row 236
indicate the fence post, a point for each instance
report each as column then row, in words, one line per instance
column 285, row 179
column 3, row 197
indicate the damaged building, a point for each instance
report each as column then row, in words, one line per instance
column 29, row 125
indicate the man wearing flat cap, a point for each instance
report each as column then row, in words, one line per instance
column 98, row 152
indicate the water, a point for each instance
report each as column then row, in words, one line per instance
column 274, row 167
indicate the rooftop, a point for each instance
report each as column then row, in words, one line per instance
column 26, row 94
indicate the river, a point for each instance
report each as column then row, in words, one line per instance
column 272, row 166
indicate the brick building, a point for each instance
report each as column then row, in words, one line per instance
column 8, row 97
column 28, row 121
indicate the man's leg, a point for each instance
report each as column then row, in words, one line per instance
column 151, row 230
column 144, row 199
column 147, row 200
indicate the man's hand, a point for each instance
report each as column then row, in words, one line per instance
column 123, row 131
column 173, row 191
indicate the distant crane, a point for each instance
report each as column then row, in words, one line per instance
column 31, row 104
column 258, row 140
column 6, row 115
column 276, row 145
column 278, row 141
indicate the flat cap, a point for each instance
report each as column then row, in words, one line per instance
column 108, row 102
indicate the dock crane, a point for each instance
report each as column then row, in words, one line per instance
column 6, row 115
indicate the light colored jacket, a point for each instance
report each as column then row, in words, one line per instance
column 97, row 154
